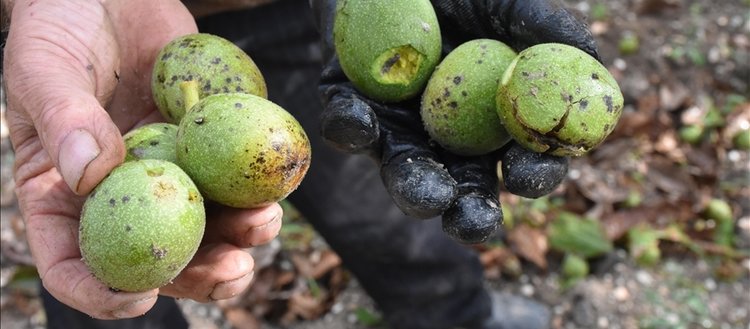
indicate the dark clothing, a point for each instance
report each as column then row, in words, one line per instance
column 418, row 277
column 164, row 315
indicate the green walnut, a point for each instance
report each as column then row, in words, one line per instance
column 242, row 150
column 214, row 63
column 141, row 225
column 151, row 141
column 557, row 99
column 458, row 104
column 387, row 48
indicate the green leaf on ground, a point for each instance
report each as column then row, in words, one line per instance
column 574, row 268
column 581, row 236
column 720, row 211
column 643, row 244
column 367, row 318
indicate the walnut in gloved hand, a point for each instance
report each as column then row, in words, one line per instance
column 424, row 180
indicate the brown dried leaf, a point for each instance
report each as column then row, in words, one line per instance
column 618, row 224
column 655, row 6
column 315, row 264
column 673, row 96
column 530, row 243
column 239, row 318
column 668, row 144
column 493, row 256
column 257, row 299
column 22, row 300
column 648, row 104
column 600, row 185
column 632, row 124
column 704, row 161
column 498, row 260
column 302, row 263
column 337, row 281
column 13, row 241
column 306, row 306
column 656, row 213
column 284, row 278
column 669, row 178
column 327, row 262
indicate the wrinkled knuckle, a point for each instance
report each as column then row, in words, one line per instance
column 53, row 111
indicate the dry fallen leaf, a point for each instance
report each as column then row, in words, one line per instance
column 239, row 318
column 530, row 243
column 327, row 262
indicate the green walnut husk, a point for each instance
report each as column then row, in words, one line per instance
column 151, row 141
column 141, row 225
column 214, row 63
column 387, row 48
column 557, row 99
column 458, row 103
column 242, row 150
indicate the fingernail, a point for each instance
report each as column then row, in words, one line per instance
column 77, row 150
column 127, row 310
column 261, row 232
column 231, row 288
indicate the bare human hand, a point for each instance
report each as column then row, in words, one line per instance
column 77, row 75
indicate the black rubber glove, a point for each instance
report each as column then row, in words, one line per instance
column 424, row 180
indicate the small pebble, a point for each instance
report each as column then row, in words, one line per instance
column 621, row 294
column 672, row 319
column 620, row 64
column 710, row 284
column 602, row 322
column 527, row 290
column 644, row 278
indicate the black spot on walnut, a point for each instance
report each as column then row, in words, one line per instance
column 608, row 101
column 583, row 104
column 158, row 253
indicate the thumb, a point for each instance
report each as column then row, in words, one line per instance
column 59, row 71
column 81, row 139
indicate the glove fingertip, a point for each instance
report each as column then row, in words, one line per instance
column 472, row 219
column 420, row 188
column 530, row 174
column 349, row 125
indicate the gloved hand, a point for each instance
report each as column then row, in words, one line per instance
column 424, row 180
column 77, row 75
